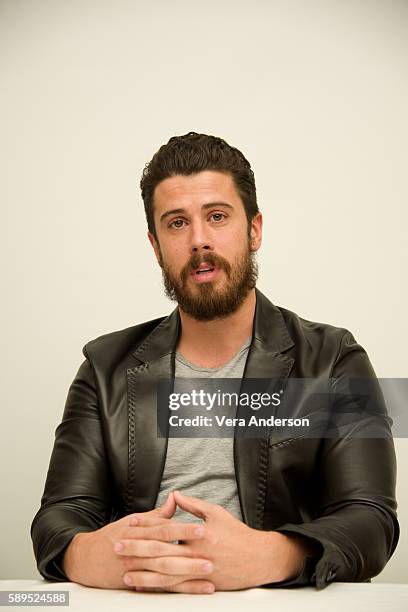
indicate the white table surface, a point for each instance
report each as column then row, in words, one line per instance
column 337, row 597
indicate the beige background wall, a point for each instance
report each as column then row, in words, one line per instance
column 315, row 95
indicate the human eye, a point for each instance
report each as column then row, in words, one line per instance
column 176, row 223
column 218, row 216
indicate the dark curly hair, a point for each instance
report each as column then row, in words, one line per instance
column 192, row 153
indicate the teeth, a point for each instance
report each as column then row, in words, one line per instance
column 206, row 270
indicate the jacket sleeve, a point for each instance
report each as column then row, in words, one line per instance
column 77, row 494
column 356, row 529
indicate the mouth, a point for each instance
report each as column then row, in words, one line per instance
column 205, row 272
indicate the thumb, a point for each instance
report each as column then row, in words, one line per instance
column 194, row 505
column 168, row 508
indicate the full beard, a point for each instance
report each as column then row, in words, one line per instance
column 206, row 302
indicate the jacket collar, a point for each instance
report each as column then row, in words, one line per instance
column 269, row 332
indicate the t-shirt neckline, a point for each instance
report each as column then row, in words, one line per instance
column 193, row 366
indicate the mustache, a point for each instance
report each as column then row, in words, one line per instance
column 211, row 258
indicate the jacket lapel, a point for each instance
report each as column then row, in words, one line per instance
column 266, row 360
column 147, row 451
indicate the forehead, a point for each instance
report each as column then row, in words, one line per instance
column 196, row 189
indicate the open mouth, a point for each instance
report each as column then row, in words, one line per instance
column 204, row 271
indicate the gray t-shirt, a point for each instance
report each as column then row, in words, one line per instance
column 203, row 467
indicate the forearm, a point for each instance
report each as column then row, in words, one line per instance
column 356, row 524
column 78, row 488
column 52, row 530
column 357, row 540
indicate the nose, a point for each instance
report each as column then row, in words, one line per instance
column 195, row 249
column 200, row 239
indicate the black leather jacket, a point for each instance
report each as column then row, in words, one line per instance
column 107, row 460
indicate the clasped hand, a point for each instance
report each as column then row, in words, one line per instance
column 221, row 554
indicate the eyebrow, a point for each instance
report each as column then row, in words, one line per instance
column 183, row 210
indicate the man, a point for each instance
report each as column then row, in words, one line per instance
column 260, row 512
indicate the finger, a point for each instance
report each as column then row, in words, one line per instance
column 164, row 512
column 147, row 521
column 198, row 587
column 150, row 590
column 173, row 566
column 168, row 532
column 198, row 507
column 131, row 531
column 168, row 509
column 150, row 548
column 152, row 579
column 129, row 517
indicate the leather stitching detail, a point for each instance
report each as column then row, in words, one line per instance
column 284, row 442
column 137, row 369
column 131, row 437
column 263, row 469
column 263, row 475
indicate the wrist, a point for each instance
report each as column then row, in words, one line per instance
column 300, row 549
column 285, row 556
column 71, row 559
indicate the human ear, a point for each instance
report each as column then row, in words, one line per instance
column 256, row 232
column 155, row 246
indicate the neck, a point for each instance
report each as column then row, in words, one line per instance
column 211, row 343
